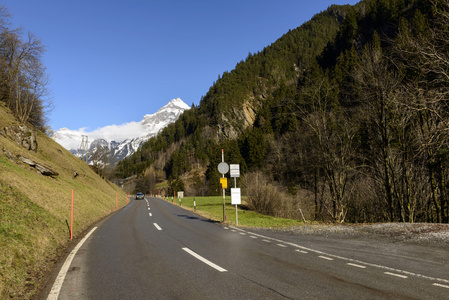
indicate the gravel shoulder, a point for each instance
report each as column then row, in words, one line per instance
column 419, row 233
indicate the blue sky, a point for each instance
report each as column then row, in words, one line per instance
column 112, row 62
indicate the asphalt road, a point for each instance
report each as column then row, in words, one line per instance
column 152, row 249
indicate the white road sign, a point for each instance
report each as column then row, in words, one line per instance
column 235, row 170
column 236, row 196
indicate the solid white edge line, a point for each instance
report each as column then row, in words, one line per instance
column 199, row 257
column 157, row 226
column 441, row 285
column 57, row 285
column 396, row 275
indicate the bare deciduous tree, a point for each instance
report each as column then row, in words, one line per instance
column 24, row 82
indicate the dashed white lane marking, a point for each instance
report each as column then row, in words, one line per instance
column 226, row 227
column 54, row 293
column 441, row 285
column 242, row 233
column 396, row 275
column 301, row 251
column 356, row 265
column 150, row 214
column 157, row 226
column 253, row 237
column 325, row 257
column 282, row 245
column 406, row 273
column 199, row 257
column 149, row 208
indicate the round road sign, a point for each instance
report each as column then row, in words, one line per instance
column 223, row 168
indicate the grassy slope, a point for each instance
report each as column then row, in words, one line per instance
column 34, row 209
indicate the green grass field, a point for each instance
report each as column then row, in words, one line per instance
column 212, row 208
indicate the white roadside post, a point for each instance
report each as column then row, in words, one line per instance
column 236, row 198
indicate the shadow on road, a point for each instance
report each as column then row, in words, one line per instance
column 197, row 218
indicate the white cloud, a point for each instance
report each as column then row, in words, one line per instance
column 119, row 133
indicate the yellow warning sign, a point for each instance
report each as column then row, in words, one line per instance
column 224, row 182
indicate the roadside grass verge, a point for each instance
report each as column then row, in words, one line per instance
column 28, row 234
column 212, row 208
column 35, row 210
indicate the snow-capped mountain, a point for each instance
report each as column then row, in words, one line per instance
column 104, row 149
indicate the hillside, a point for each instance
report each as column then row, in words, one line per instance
column 344, row 117
column 231, row 105
column 35, row 208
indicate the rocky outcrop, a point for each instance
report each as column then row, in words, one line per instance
column 44, row 170
column 234, row 124
column 40, row 168
column 23, row 135
column 26, row 138
column 9, row 155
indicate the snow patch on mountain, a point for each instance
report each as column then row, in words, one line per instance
column 112, row 143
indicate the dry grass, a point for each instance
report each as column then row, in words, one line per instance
column 34, row 209
column 269, row 198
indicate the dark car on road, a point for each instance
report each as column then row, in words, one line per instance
column 140, row 196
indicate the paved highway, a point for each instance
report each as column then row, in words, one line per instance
column 152, row 249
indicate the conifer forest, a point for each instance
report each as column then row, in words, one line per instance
column 345, row 117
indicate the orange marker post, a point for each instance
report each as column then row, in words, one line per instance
column 71, row 220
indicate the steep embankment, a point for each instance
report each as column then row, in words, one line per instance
column 35, row 209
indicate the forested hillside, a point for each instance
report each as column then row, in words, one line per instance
column 344, row 117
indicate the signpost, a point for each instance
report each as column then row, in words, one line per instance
column 235, row 192
column 236, row 198
column 180, row 196
column 223, row 168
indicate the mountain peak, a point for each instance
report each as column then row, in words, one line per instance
column 148, row 127
column 178, row 102
column 165, row 115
